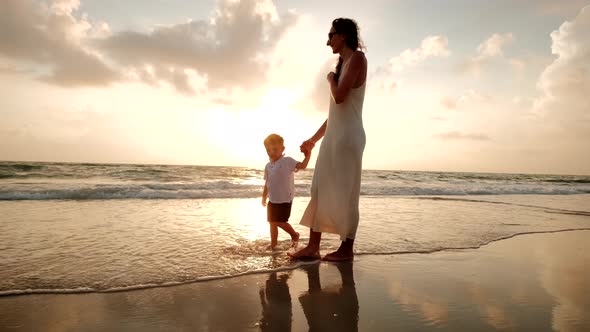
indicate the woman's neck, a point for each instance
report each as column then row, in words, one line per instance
column 346, row 53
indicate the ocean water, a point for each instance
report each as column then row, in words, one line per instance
column 102, row 227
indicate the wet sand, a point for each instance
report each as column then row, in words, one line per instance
column 534, row 282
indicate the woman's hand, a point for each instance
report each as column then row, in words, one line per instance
column 307, row 146
column 331, row 76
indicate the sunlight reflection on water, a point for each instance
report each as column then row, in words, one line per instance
column 119, row 243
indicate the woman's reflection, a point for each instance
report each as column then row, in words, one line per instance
column 276, row 304
column 334, row 308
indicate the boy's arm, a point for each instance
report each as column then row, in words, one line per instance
column 264, row 193
column 303, row 164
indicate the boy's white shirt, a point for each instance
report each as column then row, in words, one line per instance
column 280, row 180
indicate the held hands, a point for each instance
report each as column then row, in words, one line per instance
column 306, row 147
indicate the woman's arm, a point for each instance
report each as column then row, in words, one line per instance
column 341, row 88
column 320, row 133
column 310, row 143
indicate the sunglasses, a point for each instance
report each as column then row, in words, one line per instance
column 331, row 34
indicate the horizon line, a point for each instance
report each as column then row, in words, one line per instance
column 309, row 168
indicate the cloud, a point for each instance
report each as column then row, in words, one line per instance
column 320, row 95
column 222, row 101
column 565, row 83
column 559, row 119
column 64, row 47
column 518, row 65
column 50, row 40
column 438, row 118
column 471, row 95
column 560, row 8
column 491, row 48
column 456, row 135
column 384, row 85
column 432, row 46
column 493, row 45
column 382, row 80
column 11, row 69
column 67, row 135
column 230, row 49
column 449, row 102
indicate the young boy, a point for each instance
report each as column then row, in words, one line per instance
column 279, row 186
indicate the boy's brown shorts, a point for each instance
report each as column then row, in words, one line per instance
column 279, row 212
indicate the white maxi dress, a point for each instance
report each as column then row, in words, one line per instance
column 335, row 188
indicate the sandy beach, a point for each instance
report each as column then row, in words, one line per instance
column 530, row 282
column 442, row 145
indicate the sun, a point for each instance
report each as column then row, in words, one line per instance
column 241, row 131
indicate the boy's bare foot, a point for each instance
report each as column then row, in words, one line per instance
column 339, row 256
column 294, row 240
column 306, row 253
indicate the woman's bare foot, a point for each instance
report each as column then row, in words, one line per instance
column 307, row 252
column 339, row 256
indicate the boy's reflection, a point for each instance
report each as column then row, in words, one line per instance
column 276, row 304
column 331, row 309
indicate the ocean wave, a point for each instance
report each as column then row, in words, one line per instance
column 473, row 191
column 64, row 181
column 106, row 193
column 565, row 181
column 22, row 167
column 225, row 189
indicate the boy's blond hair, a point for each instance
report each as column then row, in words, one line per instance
column 273, row 138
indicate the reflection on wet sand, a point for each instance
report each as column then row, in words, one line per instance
column 276, row 304
column 334, row 308
column 490, row 307
column 565, row 275
column 536, row 282
column 528, row 283
column 431, row 308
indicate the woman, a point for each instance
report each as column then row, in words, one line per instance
column 335, row 189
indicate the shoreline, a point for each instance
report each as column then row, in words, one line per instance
column 297, row 265
column 531, row 281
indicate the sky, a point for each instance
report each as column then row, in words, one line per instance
column 457, row 85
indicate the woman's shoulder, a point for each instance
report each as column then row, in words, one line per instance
column 359, row 54
column 358, row 57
